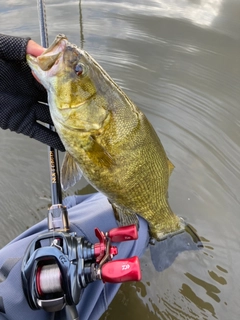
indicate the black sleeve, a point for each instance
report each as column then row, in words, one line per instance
column 13, row 48
column 20, row 94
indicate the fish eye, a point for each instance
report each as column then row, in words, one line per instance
column 79, row 69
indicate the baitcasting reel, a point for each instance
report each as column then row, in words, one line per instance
column 58, row 264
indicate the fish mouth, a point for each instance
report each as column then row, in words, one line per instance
column 51, row 55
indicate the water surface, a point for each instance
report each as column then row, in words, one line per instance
column 179, row 62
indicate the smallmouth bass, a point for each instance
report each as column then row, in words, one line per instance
column 106, row 137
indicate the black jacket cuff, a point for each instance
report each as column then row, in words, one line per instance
column 13, row 48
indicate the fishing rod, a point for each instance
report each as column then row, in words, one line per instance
column 56, row 194
column 58, row 264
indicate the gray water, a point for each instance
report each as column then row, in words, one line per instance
column 179, row 61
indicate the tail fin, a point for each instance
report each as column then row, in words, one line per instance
column 163, row 253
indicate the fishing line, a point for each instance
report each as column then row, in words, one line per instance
column 42, row 23
column 48, row 279
column 81, row 24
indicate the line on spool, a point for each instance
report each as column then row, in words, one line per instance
column 48, row 279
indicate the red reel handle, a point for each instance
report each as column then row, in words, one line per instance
column 121, row 270
column 125, row 233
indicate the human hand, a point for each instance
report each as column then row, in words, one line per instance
column 20, row 97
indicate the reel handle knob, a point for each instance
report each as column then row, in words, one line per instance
column 125, row 233
column 121, row 270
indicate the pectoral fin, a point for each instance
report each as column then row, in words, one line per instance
column 98, row 154
column 70, row 172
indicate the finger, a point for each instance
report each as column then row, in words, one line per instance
column 46, row 136
column 34, row 48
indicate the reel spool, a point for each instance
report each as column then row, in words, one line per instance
column 48, row 279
